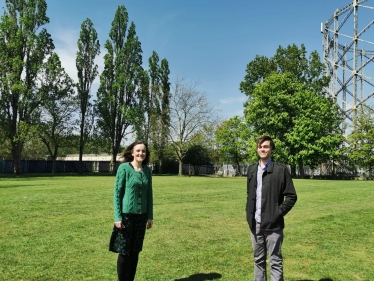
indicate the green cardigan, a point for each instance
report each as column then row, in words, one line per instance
column 133, row 191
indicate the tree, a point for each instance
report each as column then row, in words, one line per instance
column 23, row 48
column 307, row 72
column 189, row 112
column 361, row 150
column 287, row 60
column 152, row 103
column 88, row 49
column 122, row 84
column 304, row 124
column 206, row 137
column 33, row 147
column 158, row 109
column 57, row 112
column 232, row 136
column 5, row 147
column 197, row 155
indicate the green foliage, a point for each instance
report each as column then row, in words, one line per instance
column 305, row 124
column 158, row 106
column 88, row 49
column 361, row 139
column 232, row 138
column 56, row 122
column 292, row 60
column 23, row 48
column 206, row 137
column 197, row 155
column 33, row 148
column 122, row 83
column 285, row 100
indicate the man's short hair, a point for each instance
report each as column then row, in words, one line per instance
column 261, row 139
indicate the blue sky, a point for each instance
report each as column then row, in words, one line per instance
column 210, row 41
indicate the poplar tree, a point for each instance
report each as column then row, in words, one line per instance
column 88, row 49
column 24, row 45
column 158, row 107
column 122, row 83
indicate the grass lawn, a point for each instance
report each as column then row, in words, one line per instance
column 58, row 228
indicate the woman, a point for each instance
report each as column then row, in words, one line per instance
column 133, row 208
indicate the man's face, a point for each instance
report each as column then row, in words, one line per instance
column 264, row 150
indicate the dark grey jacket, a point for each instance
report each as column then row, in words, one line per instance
column 278, row 196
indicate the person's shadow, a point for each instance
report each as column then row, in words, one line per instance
column 323, row 279
column 201, row 277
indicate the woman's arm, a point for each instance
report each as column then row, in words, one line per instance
column 119, row 192
column 150, row 198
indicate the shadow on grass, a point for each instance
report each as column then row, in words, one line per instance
column 201, row 277
column 323, row 279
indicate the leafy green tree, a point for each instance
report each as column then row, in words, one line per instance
column 164, row 121
column 361, row 151
column 58, row 109
column 140, row 125
column 197, row 155
column 88, row 49
column 291, row 59
column 24, row 45
column 158, row 109
column 233, row 136
column 5, row 147
column 206, row 137
column 153, row 106
column 33, row 147
column 305, row 124
column 122, row 84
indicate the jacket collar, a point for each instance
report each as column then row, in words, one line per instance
column 253, row 168
column 270, row 167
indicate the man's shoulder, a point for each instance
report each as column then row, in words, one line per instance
column 252, row 168
column 280, row 166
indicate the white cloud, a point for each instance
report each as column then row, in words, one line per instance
column 232, row 100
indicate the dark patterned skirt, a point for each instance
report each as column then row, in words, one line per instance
column 131, row 237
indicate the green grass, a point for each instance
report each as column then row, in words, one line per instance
column 58, row 228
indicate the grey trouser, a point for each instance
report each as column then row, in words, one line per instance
column 271, row 242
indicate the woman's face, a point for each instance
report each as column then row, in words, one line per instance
column 139, row 152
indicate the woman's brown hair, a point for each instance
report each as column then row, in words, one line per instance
column 127, row 157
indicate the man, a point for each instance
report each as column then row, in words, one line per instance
column 270, row 196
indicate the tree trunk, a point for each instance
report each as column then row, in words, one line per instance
column 53, row 165
column 160, row 166
column 371, row 176
column 80, row 163
column 180, row 171
column 112, row 164
column 293, row 171
column 16, row 151
column 81, row 143
column 301, row 169
column 237, row 163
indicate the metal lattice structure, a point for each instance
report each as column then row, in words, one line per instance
column 348, row 52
